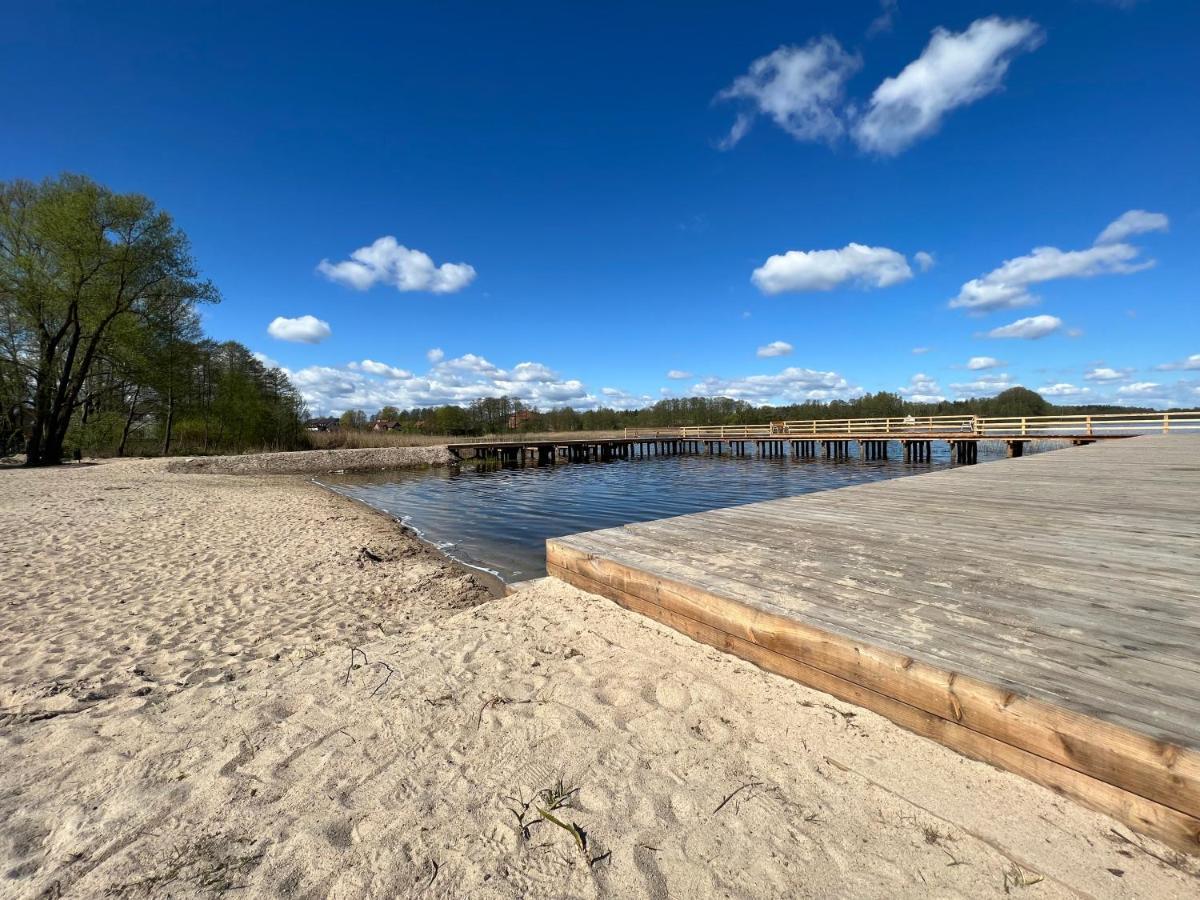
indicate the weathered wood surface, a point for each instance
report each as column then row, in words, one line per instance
column 1041, row 613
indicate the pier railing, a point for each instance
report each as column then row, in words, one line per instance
column 983, row 426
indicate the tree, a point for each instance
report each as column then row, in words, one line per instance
column 353, row 420
column 78, row 265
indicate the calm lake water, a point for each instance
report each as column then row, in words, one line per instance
column 498, row 519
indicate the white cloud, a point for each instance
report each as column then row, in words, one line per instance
column 775, row 348
column 1103, row 373
column 922, row 388
column 1135, row 221
column 435, row 354
column 1063, row 389
column 301, row 330
column 823, row 270
column 388, row 262
column 615, row 398
column 1029, row 328
column 1141, row 389
column 924, row 261
column 377, row 368
column 799, row 88
column 983, row 386
column 1008, row 286
column 266, row 360
column 955, row 69
column 976, row 363
column 678, row 374
column 370, row 385
column 792, row 385
column 1192, row 362
column 919, row 351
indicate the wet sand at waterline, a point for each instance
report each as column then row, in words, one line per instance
column 206, row 685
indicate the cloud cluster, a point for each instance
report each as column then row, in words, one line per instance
column 823, row 270
column 792, row 385
column 678, row 374
column 983, row 386
column 1104, row 373
column 1190, row 363
column 802, row 89
column 388, row 262
column 1064, row 390
column 922, row 388
column 300, row 330
column 1008, row 287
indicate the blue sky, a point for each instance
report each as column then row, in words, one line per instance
column 571, row 203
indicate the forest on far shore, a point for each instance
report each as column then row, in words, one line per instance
column 502, row 415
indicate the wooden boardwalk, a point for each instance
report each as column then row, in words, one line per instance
column 1041, row 613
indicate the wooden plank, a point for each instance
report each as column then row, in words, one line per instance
column 1169, row 825
column 1164, row 772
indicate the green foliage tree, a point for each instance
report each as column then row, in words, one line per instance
column 77, row 264
column 353, row 420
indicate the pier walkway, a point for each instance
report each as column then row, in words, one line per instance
column 1041, row 614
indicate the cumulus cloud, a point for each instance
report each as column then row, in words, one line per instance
column 775, row 348
column 983, row 386
column 1135, row 221
column 615, row 398
column 388, row 262
column 370, row 385
column 1141, row 389
column 678, row 374
column 799, row 88
column 792, row 385
column 1008, row 287
column 1191, row 362
column 976, row 363
column 955, row 69
column 823, row 270
column 300, row 330
column 1030, row 328
column 377, row 368
column 924, row 261
column 266, row 360
column 435, row 354
column 922, row 388
column 1062, row 389
column 1104, row 373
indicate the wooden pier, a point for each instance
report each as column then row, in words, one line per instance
column 1041, row 614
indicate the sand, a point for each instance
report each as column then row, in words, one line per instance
column 180, row 716
column 314, row 462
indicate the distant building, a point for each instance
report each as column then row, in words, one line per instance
column 326, row 423
column 385, row 426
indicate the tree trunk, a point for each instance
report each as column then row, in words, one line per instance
column 129, row 421
column 166, row 446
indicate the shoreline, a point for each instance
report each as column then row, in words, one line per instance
column 204, row 677
column 495, row 585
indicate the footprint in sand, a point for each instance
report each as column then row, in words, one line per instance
column 671, row 694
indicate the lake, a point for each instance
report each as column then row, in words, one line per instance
column 498, row 519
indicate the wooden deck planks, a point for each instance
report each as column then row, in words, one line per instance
column 1041, row 613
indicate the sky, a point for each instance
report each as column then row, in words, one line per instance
column 605, row 204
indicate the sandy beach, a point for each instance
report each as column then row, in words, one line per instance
column 220, row 684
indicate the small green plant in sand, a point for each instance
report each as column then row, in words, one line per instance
column 548, row 804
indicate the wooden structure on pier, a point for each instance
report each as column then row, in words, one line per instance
column 1040, row 614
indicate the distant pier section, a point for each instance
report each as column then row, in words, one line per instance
column 909, row 437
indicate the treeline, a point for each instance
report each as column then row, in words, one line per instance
column 505, row 414
column 101, row 350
